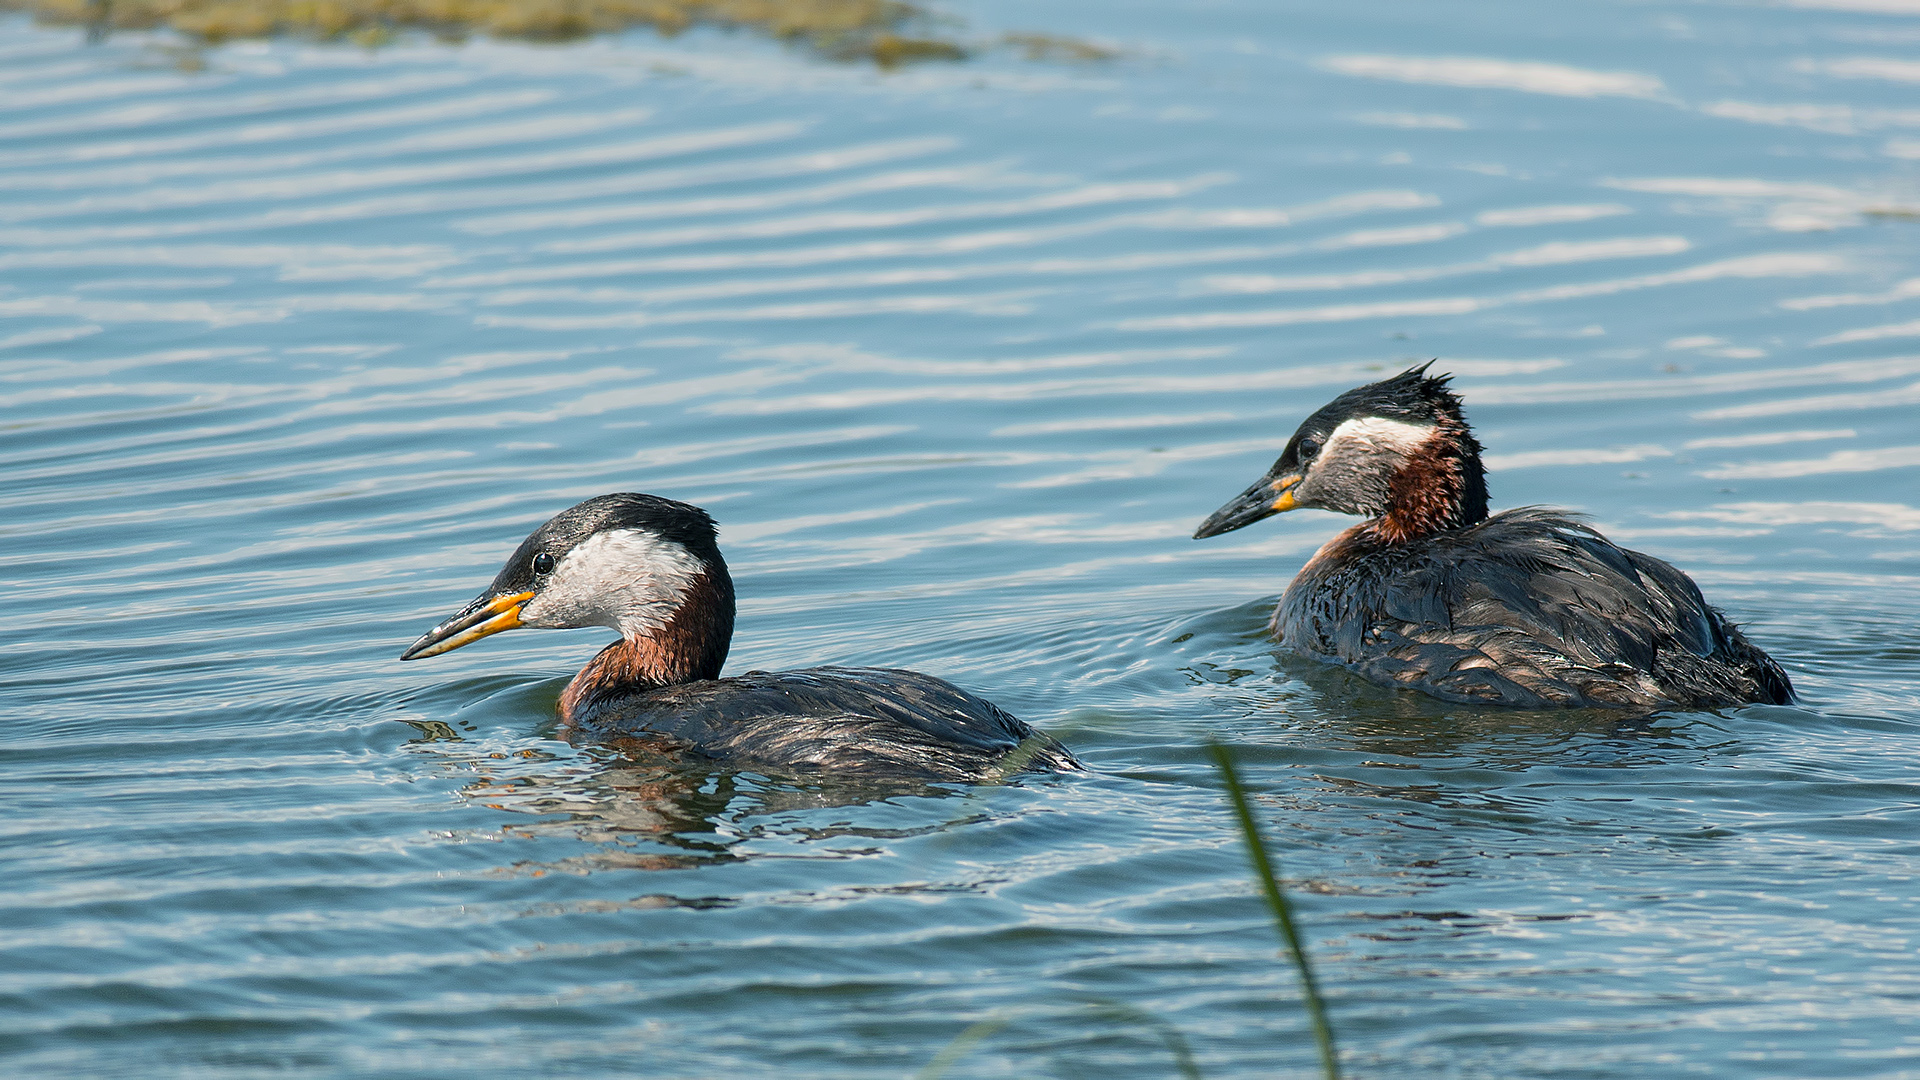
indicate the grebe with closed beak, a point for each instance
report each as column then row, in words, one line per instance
column 1528, row 607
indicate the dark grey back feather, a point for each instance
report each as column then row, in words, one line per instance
column 1530, row 607
column 847, row 721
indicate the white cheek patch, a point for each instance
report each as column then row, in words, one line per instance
column 1368, row 435
column 629, row 579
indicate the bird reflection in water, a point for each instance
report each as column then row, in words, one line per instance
column 645, row 804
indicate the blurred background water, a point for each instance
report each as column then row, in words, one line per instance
column 298, row 347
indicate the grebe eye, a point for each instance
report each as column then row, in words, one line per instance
column 543, row 563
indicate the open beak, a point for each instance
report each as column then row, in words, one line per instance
column 486, row 616
column 1271, row 494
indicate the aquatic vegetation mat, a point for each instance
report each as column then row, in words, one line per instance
column 887, row 32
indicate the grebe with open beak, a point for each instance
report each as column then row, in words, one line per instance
column 650, row 568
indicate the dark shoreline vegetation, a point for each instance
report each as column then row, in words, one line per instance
column 889, row 33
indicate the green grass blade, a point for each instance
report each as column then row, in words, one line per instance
column 959, row 1047
column 1282, row 910
column 1017, row 758
column 1169, row 1034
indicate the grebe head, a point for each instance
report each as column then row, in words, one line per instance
column 645, row 566
column 1398, row 451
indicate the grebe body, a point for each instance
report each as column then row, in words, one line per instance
column 832, row 719
column 651, row 568
column 1528, row 607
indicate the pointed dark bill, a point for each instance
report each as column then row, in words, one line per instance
column 486, row 616
column 1271, row 494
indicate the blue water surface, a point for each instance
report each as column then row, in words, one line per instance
column 296, row 348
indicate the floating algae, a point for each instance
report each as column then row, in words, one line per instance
column 1055, row 47
column 876, row 30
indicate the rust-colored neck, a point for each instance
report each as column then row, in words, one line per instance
column 691, row 646
column 1440, row 486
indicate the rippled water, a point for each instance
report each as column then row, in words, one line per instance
column 299, row 347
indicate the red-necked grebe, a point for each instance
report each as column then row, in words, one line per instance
column 650, row 568
column 1527, row 607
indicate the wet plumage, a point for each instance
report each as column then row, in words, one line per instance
column 651, row 569
column 833, row 719
column 1528, row 607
